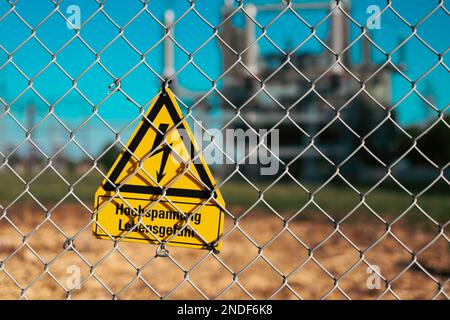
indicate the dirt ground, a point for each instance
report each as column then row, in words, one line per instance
column 40, row 268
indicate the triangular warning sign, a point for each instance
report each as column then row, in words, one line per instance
column 160, row 189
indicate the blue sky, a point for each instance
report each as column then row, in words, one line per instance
column 144, row 32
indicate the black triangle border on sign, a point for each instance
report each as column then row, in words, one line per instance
column 110, row 184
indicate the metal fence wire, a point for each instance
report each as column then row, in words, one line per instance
column 269, row 251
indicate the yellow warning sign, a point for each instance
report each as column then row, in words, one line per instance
column 160, row 189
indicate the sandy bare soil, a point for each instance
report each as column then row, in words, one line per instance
column 284, row 270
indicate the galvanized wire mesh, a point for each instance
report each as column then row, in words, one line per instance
column 238, row 58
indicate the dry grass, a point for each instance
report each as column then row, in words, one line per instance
column 310, row 281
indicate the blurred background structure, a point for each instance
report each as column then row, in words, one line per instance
column 304, row 84
column 361, row 105
column 290, row 86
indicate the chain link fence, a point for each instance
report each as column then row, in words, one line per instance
column 358, row 205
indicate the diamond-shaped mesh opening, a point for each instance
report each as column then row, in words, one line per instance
column 41, row 59
column 21, row 82
column 53, row 188
column 142, row 32
column 251, row 226
column 69, row 270
column 362, row 227
column 336, row 255
column 80, row 230
column 313, row 166
column 433, row 262
column 52, row 291
column 82, row 146
column 8, row 288
column 426, row 30
column 427, row 201
column 94, row 74
column 108, row 31
column 337, row 198
column 201, row 31
column 399, row 256
column 191, row 76
column 429, row 90
column 10, row 239
column 49, row 248
column 312, row 226
column 425, row 230
column 83, row 57
column 436, row 134
column 388, row 200
column 332, row 137
column 186, row 291
column 24, row 255
column 163, row 285
column 92, row 285
column 284, row 197
column 25, row 214
column 285, row 293
column 12, row 22
column 115, row 280
column 60, row 136
column 236, row 291
column 15, row 182
column 115, row 13
column 242, row 193
column 362, row 282
column 422, row 285
column 388, row 295
column 237, row 261
column 136, row 86
column 304, row 284
column 252, row 279
column 52, row 32
column 287, row 19
column 211, row 270
column 434, row 259
column 124, row 124
column 69, row 217
column 138, row 290
column 52, row 76
column 114, row 51
column 285, row 252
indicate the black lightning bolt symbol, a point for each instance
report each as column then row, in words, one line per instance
column 165, row 149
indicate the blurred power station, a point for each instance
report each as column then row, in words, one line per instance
column 319, row 107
